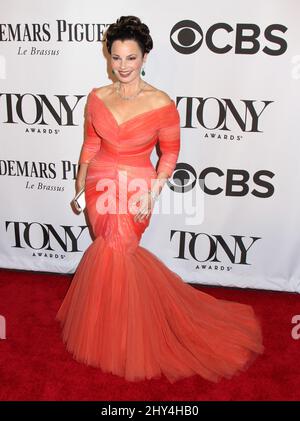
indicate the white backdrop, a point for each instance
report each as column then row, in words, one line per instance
column 233, row 69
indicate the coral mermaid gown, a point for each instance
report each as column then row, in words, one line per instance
column 125, row 311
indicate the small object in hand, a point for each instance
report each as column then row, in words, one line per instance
column 79, row 200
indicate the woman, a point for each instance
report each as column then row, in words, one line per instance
column 125, row 311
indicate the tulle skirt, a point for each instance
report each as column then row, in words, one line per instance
column 130, row 315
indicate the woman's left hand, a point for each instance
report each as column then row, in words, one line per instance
column 145, row 205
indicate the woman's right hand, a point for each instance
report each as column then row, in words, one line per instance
column 78, row 186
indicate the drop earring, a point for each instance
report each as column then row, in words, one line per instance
column 143, row 72
column 113, row 72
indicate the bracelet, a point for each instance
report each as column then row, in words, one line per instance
column 153, row 194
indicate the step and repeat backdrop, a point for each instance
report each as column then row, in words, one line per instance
column 233, row 70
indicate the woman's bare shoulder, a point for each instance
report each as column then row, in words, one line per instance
column 158, row 96
column 103, row 91
column 163, row 98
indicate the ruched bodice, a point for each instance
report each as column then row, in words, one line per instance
column 133, row 140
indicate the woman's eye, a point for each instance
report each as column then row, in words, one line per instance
column 131, row 58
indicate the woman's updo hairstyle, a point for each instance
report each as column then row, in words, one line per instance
column 129, row 27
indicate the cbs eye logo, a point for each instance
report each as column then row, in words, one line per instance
column 189, row 37
column 184, row 178
column 186, row 37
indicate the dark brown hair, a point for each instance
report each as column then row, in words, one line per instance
column 129, row 27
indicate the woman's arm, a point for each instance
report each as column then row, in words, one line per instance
column 81, row 175
column 90, row 146
column 169, row 142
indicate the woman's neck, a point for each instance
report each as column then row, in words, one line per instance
column 129, row 88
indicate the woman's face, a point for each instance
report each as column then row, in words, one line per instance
column 126, row 60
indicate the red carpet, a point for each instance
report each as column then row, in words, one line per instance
column 34, row 364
